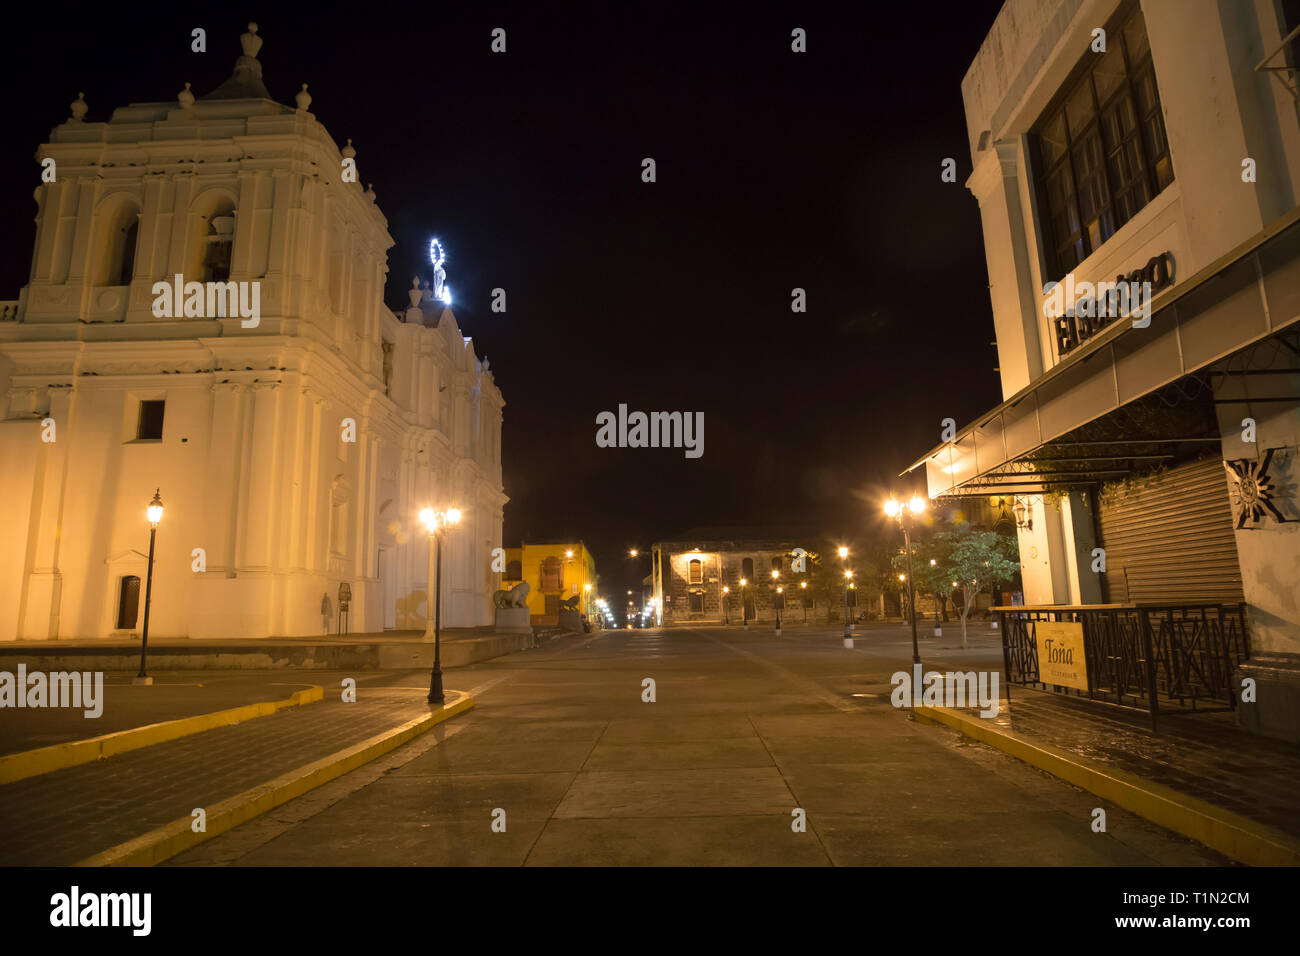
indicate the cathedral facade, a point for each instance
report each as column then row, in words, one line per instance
column 204, row 317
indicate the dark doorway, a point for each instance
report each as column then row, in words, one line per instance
column 128, row 603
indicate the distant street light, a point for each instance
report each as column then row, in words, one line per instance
column 780, row 599
column 803, row 585
column 437, row 522
column 154, row 513
column 848, row 626
column 726, row 603
column 744, row 602
column 903, row 514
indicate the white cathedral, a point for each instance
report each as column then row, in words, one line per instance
column 293, row 451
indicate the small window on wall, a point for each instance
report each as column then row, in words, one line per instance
column 514, row 570
column 697, row 602
column 747, row 568
column 149, row 426
column 695, row 572
column 776, row 563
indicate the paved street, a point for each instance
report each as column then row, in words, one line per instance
column 744, row 730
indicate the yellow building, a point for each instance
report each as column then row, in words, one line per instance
column 554, row 572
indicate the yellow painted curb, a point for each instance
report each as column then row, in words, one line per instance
column 31, row 763
column 1235, row 836
column 172, row 838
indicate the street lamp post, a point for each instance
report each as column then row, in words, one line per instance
column 726, row 605
column 848, row 628
column 436, row 522
column 154, row 513
column 744, row 602
column 803, row 586
column 897, row 510
column 938, row 626
column 777, row 599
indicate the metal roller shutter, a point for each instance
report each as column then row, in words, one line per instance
column 1172, row 539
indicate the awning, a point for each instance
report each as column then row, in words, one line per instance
column 1132, row 397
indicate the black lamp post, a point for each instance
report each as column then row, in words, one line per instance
column 903, row 514
column 154, row 512
column 803, row 586
column 744, row 602
column 848, row 627
column 726, row 605
column 436, row 522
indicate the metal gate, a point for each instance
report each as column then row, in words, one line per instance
column 1171, row 539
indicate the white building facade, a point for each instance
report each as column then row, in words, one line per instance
column 293, row 451
column 1153, row 141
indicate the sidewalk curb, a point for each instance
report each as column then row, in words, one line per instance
column 1232, row 835
column 172, row 838
column 71, row 753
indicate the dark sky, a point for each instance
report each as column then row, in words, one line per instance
column 775, row 170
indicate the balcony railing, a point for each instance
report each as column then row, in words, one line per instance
column 1150, row 656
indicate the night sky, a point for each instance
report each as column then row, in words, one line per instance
column 775, row 170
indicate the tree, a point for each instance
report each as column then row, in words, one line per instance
column 825, row 580
column 977, row 560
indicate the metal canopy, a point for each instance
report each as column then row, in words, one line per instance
column 1132, row 398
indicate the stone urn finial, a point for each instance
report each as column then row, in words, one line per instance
column 185, row 97
column 348, row 151
column 414, row 293
column 303, row 99
column 250, row 41
column 79, row 107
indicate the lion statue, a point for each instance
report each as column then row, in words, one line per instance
column 570, row 604
column 517, row 596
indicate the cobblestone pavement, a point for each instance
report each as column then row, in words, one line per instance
column 62, row 817
column 1205, row 755
column 173, row 694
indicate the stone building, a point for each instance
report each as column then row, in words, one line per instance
column 697, row 578
column 294, row 443
column 1154, row 146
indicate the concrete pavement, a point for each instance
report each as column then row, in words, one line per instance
column 563, row 762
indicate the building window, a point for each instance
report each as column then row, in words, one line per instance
column 697, row 602
column 776, row 563
column 552, row 576
column 514, row 570
column 149, row 426
column 747, row 569
column 1101, row 149
column 115, row 265
column 695, row 572
column 128, row 603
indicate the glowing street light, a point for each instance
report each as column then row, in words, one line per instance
column 744, row 602
column 154, row 513
column 726, row 605
column 437, row 523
